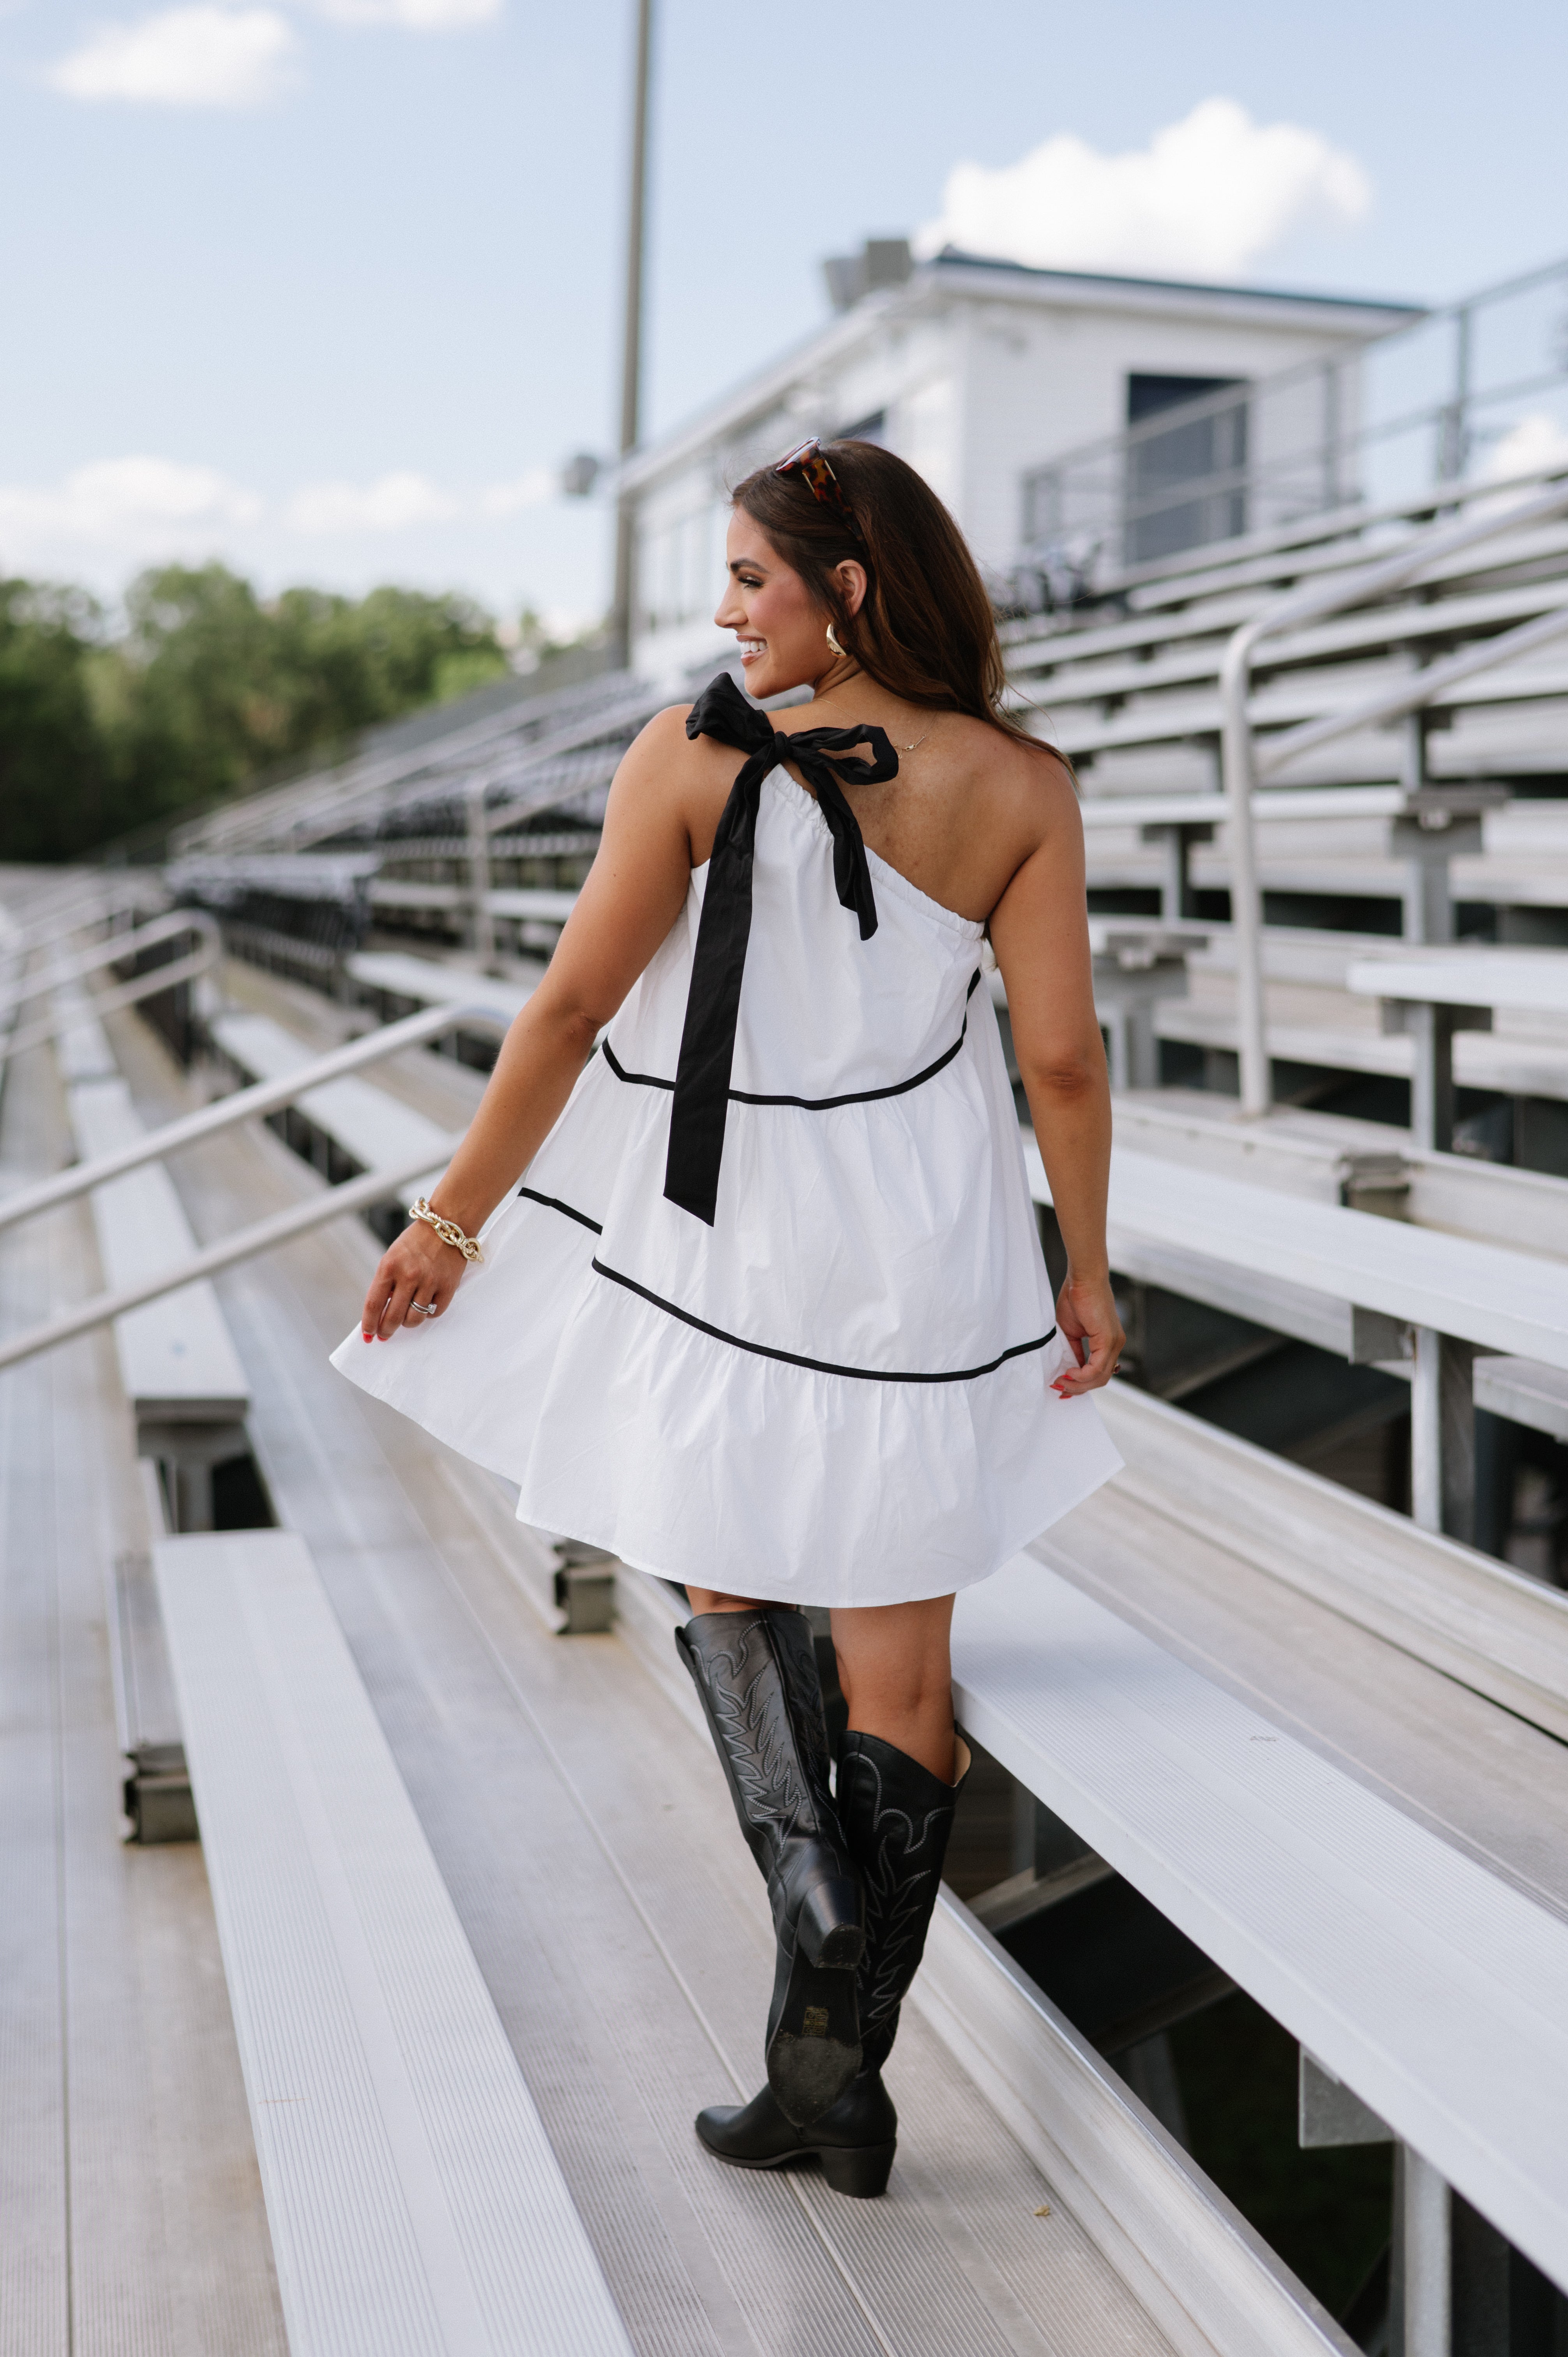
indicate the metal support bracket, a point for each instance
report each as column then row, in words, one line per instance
column 1442, row 1434
column 1433, row 1027
column 1175, row 844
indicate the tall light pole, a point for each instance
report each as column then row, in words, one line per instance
column 631, row 350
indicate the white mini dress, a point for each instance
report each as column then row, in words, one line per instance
column 784, row 1331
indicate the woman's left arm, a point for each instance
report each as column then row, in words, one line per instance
column 1039, row 930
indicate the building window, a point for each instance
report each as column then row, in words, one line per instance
column 678, row 570
column 1187, row 482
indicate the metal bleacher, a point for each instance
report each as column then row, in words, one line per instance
column 467, row 1869
column 1300, row 1668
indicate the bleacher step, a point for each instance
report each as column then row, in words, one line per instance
column 415, row 2204
column 1422, row 1980
column 177, row 1361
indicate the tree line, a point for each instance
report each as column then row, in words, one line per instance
column 110, row 729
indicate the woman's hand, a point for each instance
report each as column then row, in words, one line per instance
column 1086, row 1314
column 417, row 1268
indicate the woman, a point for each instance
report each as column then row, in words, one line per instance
column 769, row 1315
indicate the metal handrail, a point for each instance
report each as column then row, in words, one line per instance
column 1239, row 764
column 266, row 1235
column 1396, row 703
column 263, row 1235
column 252, row 1104
column 126, row 994
column 110, row 953
column 66, row 911
column 1103, row 467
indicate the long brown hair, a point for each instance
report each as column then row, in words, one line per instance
column 925, row 629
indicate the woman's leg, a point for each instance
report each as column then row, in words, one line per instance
column 709, row 1599
column 896, row 1674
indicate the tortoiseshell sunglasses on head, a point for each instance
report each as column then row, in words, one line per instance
column 820, row 480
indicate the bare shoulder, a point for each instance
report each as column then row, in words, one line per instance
column 663, row 755
column 1029, row 787
column 665, row 732
column 668, row 779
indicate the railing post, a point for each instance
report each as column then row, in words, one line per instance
column 1453, row 439
column 1333, row 431
column 1246, row 901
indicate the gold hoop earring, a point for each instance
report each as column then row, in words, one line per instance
column 832, row 642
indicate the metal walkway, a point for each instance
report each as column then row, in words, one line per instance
column 133, row 2224
column 588, row 1845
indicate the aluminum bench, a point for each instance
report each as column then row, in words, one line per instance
column 1445, row 992
column 1421, row 1981
column 1374, row 1289
column 347, row 1122
column 415, row 2205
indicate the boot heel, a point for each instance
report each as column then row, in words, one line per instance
column 861, row 2173
column 828, row 1929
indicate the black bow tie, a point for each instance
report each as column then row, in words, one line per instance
column 713, row 1001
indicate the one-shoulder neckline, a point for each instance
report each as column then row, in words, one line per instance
column 971, row 928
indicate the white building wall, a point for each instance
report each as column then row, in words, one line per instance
column 981, row 376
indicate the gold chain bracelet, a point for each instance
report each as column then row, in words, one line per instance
column 447, row 1229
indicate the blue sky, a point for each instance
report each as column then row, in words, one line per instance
column 329, row 287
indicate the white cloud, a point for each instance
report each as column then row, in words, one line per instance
column 134, row 506
column 1205, row 198
column 416, row 16
column 530, row 489
column 390, row 504
column 1536, row 443
column 102, row 521
column 183, row 57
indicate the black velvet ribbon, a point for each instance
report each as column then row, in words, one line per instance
column 700, row 1101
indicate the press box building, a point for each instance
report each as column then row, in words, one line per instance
column 979, row 373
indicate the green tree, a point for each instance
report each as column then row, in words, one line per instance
column 207, row 684
column 190, row 701
column 52, row 776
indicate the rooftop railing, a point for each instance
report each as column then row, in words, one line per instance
column 1479, row 387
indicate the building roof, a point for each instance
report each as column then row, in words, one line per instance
column 953, row 258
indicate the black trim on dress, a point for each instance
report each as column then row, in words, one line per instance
column 809, row 1104
column 554, row 1203
column 815, row 1366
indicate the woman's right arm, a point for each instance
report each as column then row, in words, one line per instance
column 1039, row 930
column 634, row 892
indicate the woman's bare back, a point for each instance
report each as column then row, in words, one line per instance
column 968, row 807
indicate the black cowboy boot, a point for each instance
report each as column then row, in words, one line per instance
column 755, row 1674
column 896, row 1818
column 855, row 2140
